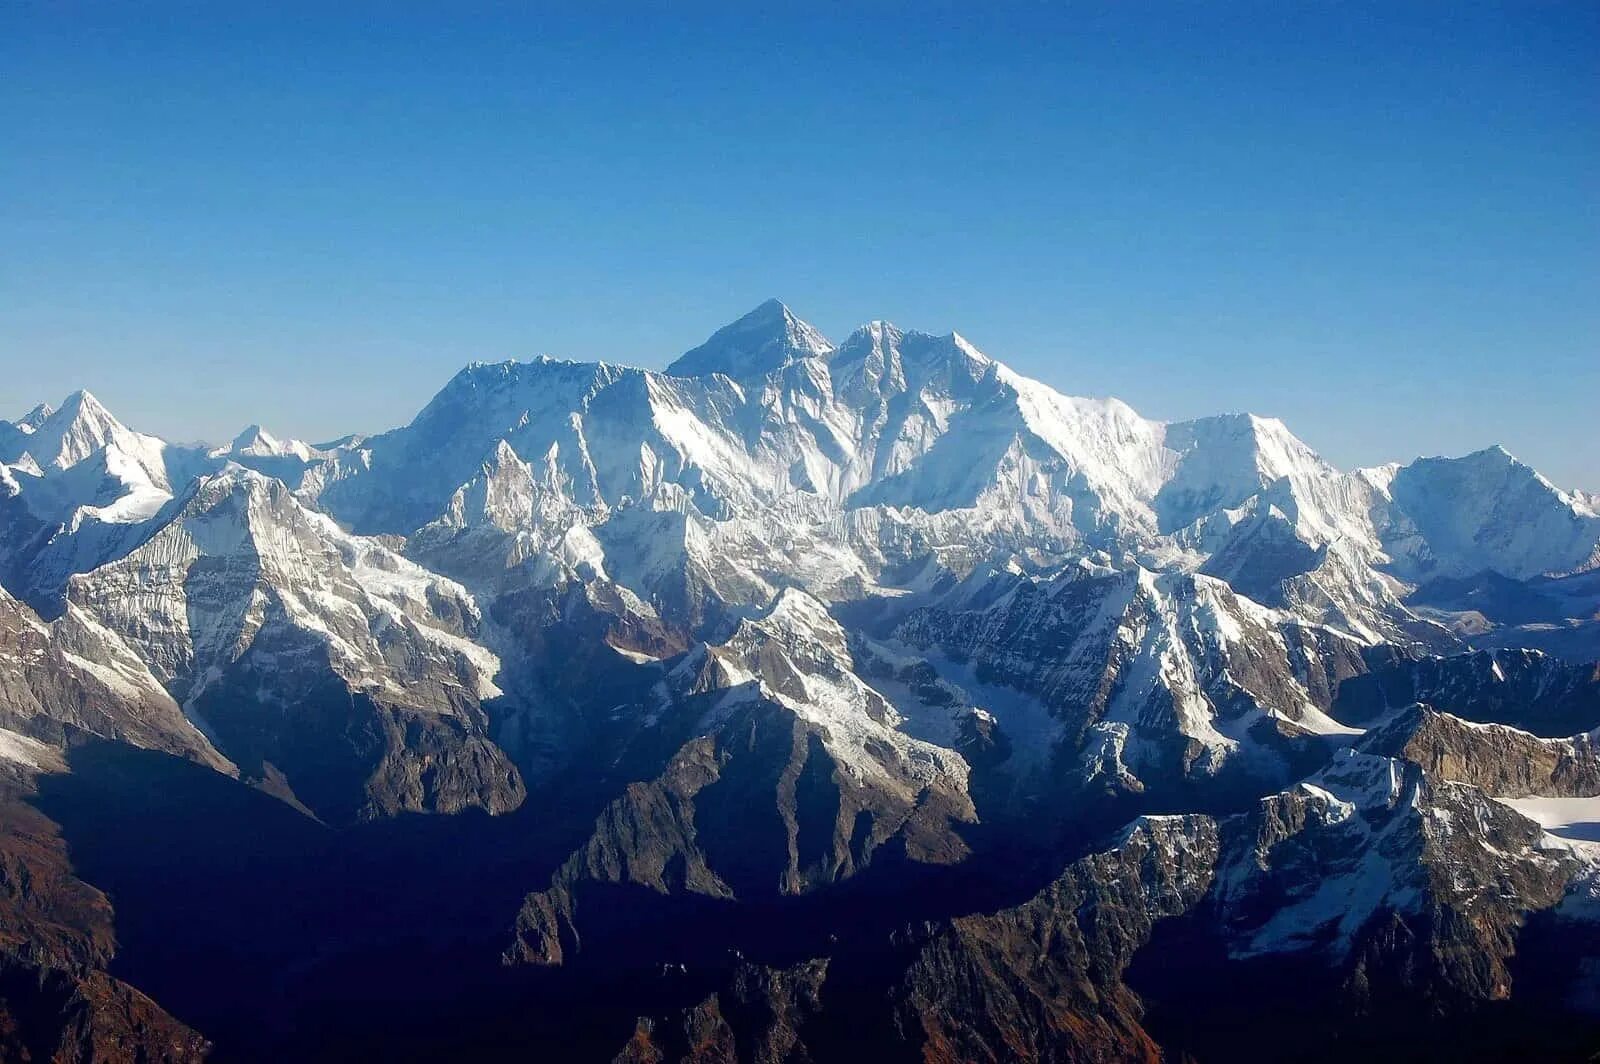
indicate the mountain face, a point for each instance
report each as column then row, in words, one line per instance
column 800, row 700
column 310, row 654
column 1489, row 511
column 1153, row 681
column 762, row 342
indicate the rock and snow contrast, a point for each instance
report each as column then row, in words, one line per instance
column 822, row 674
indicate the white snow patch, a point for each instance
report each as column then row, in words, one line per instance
column 1577, row 819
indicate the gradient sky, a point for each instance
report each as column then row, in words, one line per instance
column 1377, row 222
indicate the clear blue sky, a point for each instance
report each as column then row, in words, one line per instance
column 1377, row 222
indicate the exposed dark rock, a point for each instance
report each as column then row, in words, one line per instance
column 759, row 1017
column 1043, row 981
column 48, row 1014
column 57, row 1002
column 1497, row 759
column 1522, row 688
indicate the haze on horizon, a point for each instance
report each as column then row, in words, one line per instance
column 1376, row 222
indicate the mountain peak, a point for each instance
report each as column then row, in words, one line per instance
column 767, row 338
column 254, row 438
column 81, row 426
column 82, row 403
column 880, row 329
column 35, row 417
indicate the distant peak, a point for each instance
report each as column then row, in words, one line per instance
column 35, row 417
column 766, row 339
column 1493, row 456
column 254, row 438
column 80, row 403
column 77, row 427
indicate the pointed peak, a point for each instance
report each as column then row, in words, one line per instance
column 766, row 339
column 79, row 427
column 254, row 438
column 82, row 403
column 968, row 348
column 1496, row 452
column 886, row 338
column 771, row 312
column 770, row 308
column 504, row 456
column 26, row 463
column 35, row 417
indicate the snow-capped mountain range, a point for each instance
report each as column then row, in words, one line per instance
column 888, row 443
column 900, row 470
column 850, row 600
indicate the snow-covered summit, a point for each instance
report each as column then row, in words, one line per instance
column 768, row 338
column 770, row 422
column 1487, row 510
column 35, row 417
column 893, row 451
column 77, row 430
column 256, row 442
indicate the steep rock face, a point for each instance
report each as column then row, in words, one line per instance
column 1403, row 869
column 1374, row 893
column 1372, row 888
column 922, row 435
column 646, row 838
column 344, row 667
column 612, row 434
column 74, row 674
column 52, row 919
column 49, row 1014
column 928, row 435
column 1154, row 678
column 1498, row 760
column 1043, row 981
column 57, row 1002
column 71, row 483
column 23, row 534
column 1262, row 505
column 942, row 427
column 761, row 1017
column 794, row 778
column 1522, row 688
column 788, row 612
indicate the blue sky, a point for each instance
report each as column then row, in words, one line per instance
column 1377, row 222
